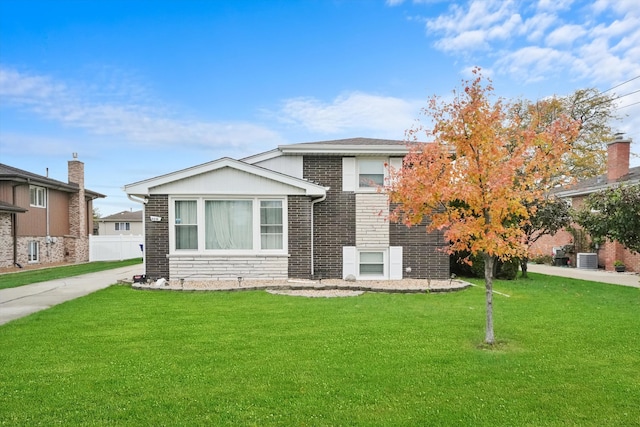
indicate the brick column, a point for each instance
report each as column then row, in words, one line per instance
column 77, row 243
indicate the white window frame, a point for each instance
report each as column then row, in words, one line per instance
column 392, row 259
column 201, row 226
column 40, row 196
column 385, row 264
column 172, row 221
column 351, row 172
column 379, row 161
column 33, row 251
column 123, row 226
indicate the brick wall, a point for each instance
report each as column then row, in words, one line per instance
column 618, row 159
column 299, row 213
column 334, row 218
column 6, row 240
column 77, row 246
column 207, row 267
column 156, row 245
column 423, row 252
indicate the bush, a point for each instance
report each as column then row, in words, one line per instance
column 507, row 270
column 542, row 259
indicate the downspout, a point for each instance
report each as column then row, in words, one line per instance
column 143, row 201
column 313, row 202
column 14, row 217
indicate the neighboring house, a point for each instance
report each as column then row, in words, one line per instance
column 308, row 211
column 618, row 173
column 42, row 220
column 125, row 222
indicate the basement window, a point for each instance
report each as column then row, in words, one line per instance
column 34, row 251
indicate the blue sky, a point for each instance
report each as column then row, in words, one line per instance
column 142, row 88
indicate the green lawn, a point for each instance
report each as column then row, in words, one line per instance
column 569, row 355
column 27, row 277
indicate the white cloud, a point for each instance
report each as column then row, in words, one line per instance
column 471, row 28
column 350, row 112
column 532, row 63
column 554, row 5
column 137, row 122
column 565, row 35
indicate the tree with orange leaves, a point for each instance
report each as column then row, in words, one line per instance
column 478, row 177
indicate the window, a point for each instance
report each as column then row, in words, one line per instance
column 271, row 224
column 186, row 224
column 123, row 226
column 38, row 196
column 371, row 264
column 34, row 251
column 370, row 173
column 252, row 224
column 228, row 224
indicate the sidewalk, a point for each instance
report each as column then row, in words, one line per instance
column 24, row 300
column 624, row 279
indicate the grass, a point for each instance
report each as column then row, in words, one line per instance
column 568, row 355
column 27, row 277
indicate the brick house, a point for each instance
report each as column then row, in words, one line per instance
column 42, row 220
column 307, row 210
column 121, row 223
column 618, row 173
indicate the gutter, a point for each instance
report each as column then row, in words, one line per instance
column 313, row 202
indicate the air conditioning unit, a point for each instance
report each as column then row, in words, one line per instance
column 587, row 261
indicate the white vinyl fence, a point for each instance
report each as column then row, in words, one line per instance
column 115, row 248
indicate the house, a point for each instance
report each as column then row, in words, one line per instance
column 125, row 222
column 309, row 211
column 42, row 220
column 618, row 173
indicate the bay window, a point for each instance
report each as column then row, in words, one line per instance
column 205, row 224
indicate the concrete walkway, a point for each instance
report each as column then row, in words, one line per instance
column 624, row 279
column 24, row 300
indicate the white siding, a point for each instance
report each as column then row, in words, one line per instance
column 288, row 165
column 227, row 181
column 372, row 227
column 108, row 228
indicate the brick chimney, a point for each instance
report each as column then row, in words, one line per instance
column 618, row 152
column 78, row 247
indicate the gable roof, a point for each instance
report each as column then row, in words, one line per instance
column 598, row 183
column 131, row 216
column 142, row 188
column 9, row 173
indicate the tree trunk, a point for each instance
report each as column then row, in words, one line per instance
column 523, row 266
column 488, row 280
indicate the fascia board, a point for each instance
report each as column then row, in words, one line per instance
column 261, row 157
column 143, row 188
column 344, row 149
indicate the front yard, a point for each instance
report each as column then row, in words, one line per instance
column 568, row 355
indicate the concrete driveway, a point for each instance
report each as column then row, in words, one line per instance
column 24, row 300
column 624, row 279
